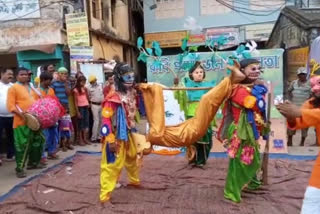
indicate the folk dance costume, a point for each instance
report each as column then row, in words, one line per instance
column 243, row 124
column 198, row 152
column 118, row 119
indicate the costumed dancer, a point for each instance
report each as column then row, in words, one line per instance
column 300, row 118
column 198, row 152
column 28, row 144
column 118, row 119
column 244, row 121
column 191, row 130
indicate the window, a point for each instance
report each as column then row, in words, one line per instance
column 167, row 9
column 213, row 7
column 113, row 13
column 266, row 5
column 94, row 8
column 102, row 10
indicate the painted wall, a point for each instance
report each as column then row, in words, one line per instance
column 121, row 18
column 32, row 59
column 193, row 8
column 106, row 49
column 44, row 30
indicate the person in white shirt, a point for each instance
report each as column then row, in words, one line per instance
column 6, row 118
column 95, row 92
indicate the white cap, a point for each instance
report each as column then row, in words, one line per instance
column 302, row 70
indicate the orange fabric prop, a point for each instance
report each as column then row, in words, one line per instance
column 191, row 130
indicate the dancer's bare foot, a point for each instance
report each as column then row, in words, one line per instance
column 87, row 142
column 81, row 143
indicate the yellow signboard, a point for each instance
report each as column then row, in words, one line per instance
column 296, row 58
column 167, row 39
column 77, row 29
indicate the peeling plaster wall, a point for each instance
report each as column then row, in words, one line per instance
column 37, row 31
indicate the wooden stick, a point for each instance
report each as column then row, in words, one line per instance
column 265, row 158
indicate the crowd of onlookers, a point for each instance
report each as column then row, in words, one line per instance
column 80, row 99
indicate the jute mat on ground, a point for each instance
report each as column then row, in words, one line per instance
column 168, row 186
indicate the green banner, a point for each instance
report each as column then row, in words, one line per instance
column 271, row 61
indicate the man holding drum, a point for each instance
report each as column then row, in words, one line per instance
column 28, row 144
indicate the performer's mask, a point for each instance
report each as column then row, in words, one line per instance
column 123, row 76
column 128, row 79
column 315, row 85
column 198, row 74
column 252, row 71
column 251, row 68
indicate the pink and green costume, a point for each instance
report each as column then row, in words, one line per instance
column 244, row 121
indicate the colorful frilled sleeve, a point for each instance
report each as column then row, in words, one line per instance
column 114, row 125
column 244, row 120
column 107, row 130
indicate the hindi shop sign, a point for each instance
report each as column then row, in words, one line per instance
column 77, row 29
column 19, row 9
column 232, row 35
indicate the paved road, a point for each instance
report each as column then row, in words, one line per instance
column 9, row 180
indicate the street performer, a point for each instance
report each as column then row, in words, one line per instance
column 118, row 123
column 193, row 129
column 197, row 153
column 300, row 118
column 244, row 121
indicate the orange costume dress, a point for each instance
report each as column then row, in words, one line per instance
column 310, row 117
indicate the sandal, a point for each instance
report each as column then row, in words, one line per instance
column 53, row 157
column 21, row 174
column 70, row 147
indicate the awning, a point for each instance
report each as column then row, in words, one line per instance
column 50, row 48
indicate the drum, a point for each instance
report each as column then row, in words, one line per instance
column 46, row 111
column 32, row 122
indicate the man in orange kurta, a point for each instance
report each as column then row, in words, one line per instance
column 307, row 116
column 28, row 144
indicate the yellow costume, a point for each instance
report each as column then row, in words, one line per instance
column 120, row 110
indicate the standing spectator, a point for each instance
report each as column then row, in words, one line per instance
column 28, row 143
column 95, row 98
column 52, row 69
column 62, row 87
column 82, row 107
column 299, row 91
column 73, row 111
column 30, row 77
column 109, row 86
column 6, row 118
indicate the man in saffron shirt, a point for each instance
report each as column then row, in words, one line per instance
column 304, row 117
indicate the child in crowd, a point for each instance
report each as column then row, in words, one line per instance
column 51, row 134
column 82, row 106
column 62, row 87
column 28, row 143
column 65, row 127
